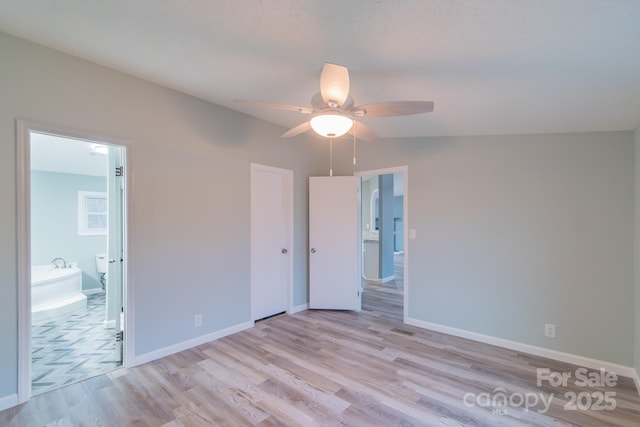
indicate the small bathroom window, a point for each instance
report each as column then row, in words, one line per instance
column 92, row 213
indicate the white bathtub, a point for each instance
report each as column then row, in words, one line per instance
column 55, row 292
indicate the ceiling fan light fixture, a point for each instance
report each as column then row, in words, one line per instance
column 331, row 125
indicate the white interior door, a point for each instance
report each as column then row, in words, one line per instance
column 334, row 243
column 115, row 243
column 270, row 264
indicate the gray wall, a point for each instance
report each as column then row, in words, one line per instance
column 637, row 249
column 54, row 222
column 517, row 231
column 190, row 212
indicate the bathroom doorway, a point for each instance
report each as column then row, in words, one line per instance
column 71, row 269
column 383, row 233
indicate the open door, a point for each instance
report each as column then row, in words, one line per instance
column 334, row 243
column 115, row 244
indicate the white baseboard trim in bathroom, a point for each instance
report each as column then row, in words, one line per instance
column 625, row 371
column 185, row 345
column 299, row 308
column 8, row 401
column 92, row 291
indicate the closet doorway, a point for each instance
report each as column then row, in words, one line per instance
column 271, row 241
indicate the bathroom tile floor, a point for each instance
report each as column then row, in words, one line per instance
column 72, row 348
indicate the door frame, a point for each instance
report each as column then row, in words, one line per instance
column 287, row 174
column 405, row 172
column 23, row 177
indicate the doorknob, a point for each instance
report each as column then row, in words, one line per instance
column 284, row 251
column 111, row 261
column 313, row 250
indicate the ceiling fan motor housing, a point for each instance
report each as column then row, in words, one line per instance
column 336, row 110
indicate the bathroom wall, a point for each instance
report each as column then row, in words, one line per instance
column 54, row 222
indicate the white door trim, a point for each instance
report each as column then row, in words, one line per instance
column 405, row 171
column 24, row 128
column 288, row 177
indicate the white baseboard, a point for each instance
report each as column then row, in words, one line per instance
column 8, row 401
column 299, row 308
column 92, row 291
column 185, row 345
column 625, row 371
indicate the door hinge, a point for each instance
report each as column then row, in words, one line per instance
column 119, row 170
column 358, row 293
column 120, row 336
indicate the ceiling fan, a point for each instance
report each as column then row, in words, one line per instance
column 334, row 112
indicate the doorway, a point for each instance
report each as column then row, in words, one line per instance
column 72, row 202
column 383, row 232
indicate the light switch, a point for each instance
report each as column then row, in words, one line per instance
column 412, row 233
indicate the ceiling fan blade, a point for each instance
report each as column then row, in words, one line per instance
column 303, row 110
column 334, row 83
column 301, row 128
column 396, row 108
column 362, row 131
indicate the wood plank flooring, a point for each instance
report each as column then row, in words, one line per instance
column 325, row 368
column 386, row 299
column 383, row 300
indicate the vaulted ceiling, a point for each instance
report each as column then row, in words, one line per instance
column 490, row 66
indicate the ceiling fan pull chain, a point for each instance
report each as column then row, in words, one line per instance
column 354, row 143
column 330, row 156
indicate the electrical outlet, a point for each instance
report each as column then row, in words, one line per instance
column 197, row 320
column 549, row 330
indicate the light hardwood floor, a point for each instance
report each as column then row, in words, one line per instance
column 325, row 368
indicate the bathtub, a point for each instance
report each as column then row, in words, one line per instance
column 55, row 292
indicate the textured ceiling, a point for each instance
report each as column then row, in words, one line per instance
column 490, row 66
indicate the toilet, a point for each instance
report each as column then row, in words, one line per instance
column 102, row 266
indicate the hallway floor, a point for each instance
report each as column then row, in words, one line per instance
column 72, row 348
column 386, row 299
